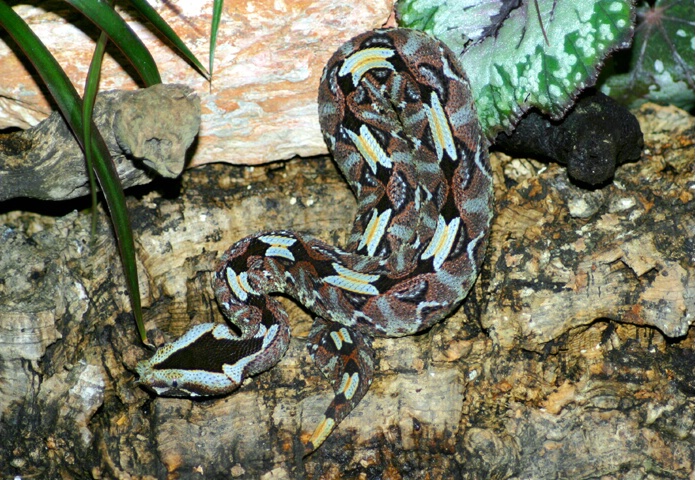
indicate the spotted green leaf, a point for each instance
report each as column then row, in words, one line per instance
column 662, row 57
column 542, row 55
column 455, row 22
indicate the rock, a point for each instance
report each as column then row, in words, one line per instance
column 261, row 105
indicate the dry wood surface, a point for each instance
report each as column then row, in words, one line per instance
column 572, row 357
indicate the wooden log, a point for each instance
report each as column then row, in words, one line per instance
column 572, row 358
column 147, row 132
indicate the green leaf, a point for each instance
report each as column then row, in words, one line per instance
column 91, row 87
column 216, row 15
column 662, row 57
column 455, row 22
column 115, row 199
column 70, row 105
column 515, row 69
column 158, row 22
column 106, row 18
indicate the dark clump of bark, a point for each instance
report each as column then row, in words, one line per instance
column 593, row 139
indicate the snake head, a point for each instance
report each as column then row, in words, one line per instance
column 206, row 361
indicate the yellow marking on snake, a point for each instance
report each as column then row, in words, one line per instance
column 362, row 61
column 239, row 284
column 352, row 281
column 339, row 337
column 369, row 148
column 278, row 246
column 349, row 384
column 322, row 431
column 442, row 241
column 374, row 231
column 441, row 133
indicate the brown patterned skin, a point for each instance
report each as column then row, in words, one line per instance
column 396, row 111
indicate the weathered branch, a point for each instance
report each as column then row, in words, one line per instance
column 572, row 357
column 147, row 131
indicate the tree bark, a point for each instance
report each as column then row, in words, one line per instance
column 572, row 357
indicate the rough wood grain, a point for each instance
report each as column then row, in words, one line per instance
column 147, row 132
column 506, row 388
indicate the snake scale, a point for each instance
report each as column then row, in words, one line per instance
column 397, row 113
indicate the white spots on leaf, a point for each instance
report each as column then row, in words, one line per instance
column 615, row 7
column 583, row 14
column 528, row 80
column 495, row 77
column 658, row 66
column 586, row 45
column 606, row 32
column 621, row 23
column 555, row 91
column 665, row 86
column 566, row 61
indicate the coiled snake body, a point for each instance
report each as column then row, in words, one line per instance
column 396, row 111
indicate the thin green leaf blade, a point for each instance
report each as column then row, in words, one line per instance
column 115, row 199
column 163, row 27
column 216, row 16
column 109, row 21
column 70, row 105
column 91, row 88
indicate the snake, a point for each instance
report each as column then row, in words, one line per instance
column 397, row 113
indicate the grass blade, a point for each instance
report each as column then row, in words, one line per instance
column 109, row 21
column 158, row 22
column 70, row 105
column 91, row 87
column 216, row 15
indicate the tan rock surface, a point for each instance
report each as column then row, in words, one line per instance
column 261, row 105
